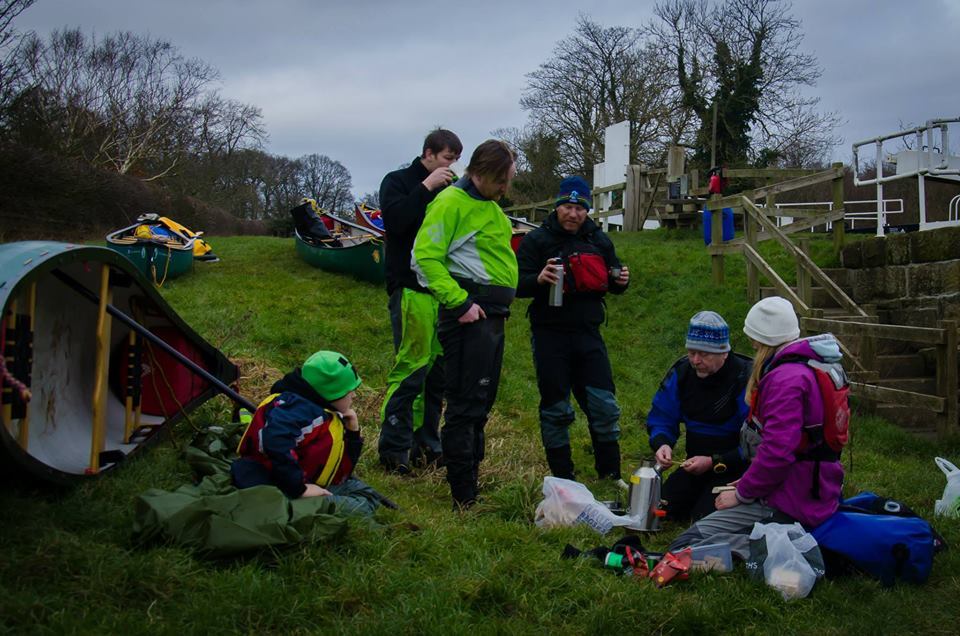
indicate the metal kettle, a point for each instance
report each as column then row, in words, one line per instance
column 645, row 483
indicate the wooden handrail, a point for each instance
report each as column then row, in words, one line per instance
column 825, row 281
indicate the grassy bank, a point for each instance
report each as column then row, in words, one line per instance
column 69, row 564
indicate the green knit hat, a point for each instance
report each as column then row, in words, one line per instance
column 330, row 374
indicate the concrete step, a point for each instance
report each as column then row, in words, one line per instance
column 839, row 275
column 902, row 365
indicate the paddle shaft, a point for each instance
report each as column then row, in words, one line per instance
column 187, row 362
column 143, row 331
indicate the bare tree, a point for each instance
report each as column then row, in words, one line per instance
column 744, row 60
column 596, row 77
column 327, row 181
column 370, row 199
column 10, row 41
column 126, row 101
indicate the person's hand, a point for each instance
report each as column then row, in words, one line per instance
column 438, row 178
column 624, row 277
column 727, row 499
column 473, row 314
column 350, row 420
column 697, row 465
column 549, row 274
column 664, row 456
column 314, row 490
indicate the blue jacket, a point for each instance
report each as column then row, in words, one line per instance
column 712, row 408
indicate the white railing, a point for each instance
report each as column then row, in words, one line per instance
column 954, row 214
column 877, row 214
column 931, row 158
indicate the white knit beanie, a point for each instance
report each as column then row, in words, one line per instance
column 772, row 322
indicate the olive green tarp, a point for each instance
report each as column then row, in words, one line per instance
column 219, row 520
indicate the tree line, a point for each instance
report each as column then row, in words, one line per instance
column 135, row 105
column 726, row 78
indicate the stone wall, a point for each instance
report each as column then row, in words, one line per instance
column 912, row 279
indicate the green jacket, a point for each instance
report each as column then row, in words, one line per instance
column 467, row 239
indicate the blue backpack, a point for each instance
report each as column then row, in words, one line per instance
column 880, row 537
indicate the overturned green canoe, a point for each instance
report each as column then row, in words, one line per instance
column 361, row 257
column 81, row 390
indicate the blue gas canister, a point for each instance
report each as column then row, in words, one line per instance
column 726, row 227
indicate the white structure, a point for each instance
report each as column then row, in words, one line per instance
column 929, row 160
column 613, row 170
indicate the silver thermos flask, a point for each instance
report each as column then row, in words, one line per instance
column 645, row 485
column 556, row 290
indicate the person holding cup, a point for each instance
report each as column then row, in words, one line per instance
column 571, row 251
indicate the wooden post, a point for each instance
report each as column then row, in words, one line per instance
column 23, row 435
column 100, row 383
column 804, row 287
column 8, row 323
column 631, row 200
column 839, row 232
column 753, row 275
column 947, row 379
column 716, row 238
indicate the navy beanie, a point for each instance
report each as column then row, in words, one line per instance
column 574, row 190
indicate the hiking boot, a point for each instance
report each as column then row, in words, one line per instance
column 426, row 458
column 606, row 459
column 561, row 462
column 394, row 466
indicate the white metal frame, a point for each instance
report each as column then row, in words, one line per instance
column 936, row 164
column 877, row 214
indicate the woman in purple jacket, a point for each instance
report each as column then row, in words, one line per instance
column 783, row 482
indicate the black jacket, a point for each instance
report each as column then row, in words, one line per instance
column 403, row 203
column 550, row 240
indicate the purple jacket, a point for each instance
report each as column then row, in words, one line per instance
column 789, row 398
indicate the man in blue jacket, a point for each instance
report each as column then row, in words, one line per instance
column 704, row 390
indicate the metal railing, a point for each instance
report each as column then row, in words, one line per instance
column 878, row 214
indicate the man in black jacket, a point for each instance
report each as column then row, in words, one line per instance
column 568, row 350
column 411, row 409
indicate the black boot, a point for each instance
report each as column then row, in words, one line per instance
column 560, row 462
column 606, row 459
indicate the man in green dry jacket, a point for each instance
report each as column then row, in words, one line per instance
column 462, row 254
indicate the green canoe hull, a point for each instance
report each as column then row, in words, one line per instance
column 364, row 260
column 157, row 262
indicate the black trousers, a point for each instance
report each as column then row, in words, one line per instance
column 574, row 361
column 473, row 354
column 689, row 496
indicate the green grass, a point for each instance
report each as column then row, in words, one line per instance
column 69, row 564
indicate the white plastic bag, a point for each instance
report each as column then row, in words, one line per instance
column 786, row 567
column 567, row 503
column 949, row 504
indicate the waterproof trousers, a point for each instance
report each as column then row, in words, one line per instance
column 690, row 496
column 410, row 415
column 473, row 354
column 731, row 525
column 576, row 360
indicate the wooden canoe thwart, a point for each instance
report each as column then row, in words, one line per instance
column 81, row 388
column 338, row 245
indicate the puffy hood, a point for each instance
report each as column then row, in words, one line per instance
column 822, row 348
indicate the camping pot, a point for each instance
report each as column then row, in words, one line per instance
column 645, row 497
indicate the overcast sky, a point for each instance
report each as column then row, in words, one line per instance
column 362, row 81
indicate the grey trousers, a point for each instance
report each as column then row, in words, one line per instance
column 731, row 525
